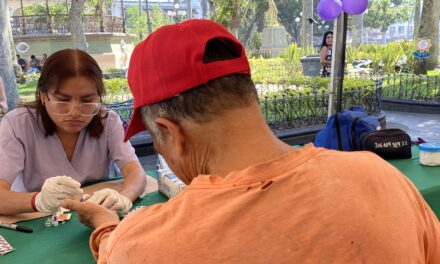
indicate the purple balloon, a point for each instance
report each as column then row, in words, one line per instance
column 354, row 7
column 328, row 10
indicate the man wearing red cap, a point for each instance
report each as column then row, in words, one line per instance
column 250, row 197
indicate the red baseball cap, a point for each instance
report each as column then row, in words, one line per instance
column 170, row 61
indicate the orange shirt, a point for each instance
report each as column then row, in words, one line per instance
column 310, row 206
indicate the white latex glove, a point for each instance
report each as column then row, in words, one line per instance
column 55, row 190
column 111, row 199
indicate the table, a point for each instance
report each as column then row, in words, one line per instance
column 425, row 178
column 67, row 243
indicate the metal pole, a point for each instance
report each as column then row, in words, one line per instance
column 150, row 29
column 338, row 64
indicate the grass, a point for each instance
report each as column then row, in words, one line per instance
column 27, row 91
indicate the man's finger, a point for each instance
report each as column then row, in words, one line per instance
column 71, row 204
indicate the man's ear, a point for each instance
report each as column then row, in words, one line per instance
column 172, row 134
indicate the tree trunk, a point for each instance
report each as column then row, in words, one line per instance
column 306, row 26
column 425, row 31
column 76, row 25
column 6, row 60
column 416, row 19
column 204, row 5
column 433, row 60
column 358, row 26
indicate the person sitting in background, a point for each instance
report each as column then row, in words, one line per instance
column 67, row 131
column 3, row 100
column 325, row 55
column 34, row 65
column 250, row 198
column 42, row 61
column 21, row 62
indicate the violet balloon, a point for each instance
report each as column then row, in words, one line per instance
column 354, row 7
column 328, row 10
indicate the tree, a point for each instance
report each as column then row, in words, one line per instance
column 383, row 13
column 288, row 10
column 253, row 21
column 229, row 13
column 357, row 29
column 6, row 59
column 138, row 24
column 429, row 30
column 76, row 25
column 306, row 27
column 416, row 19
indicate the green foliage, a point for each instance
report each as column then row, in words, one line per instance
column 388, row 55
column 288, row 10
column 138, row 24
column 40, row 9
column 411, row 87
column 383, row 13
column 257, row 41
column 252, row 23
column 434, row 73
column 276, row 71
column 293, row 54
column 27, row 90
column 116, row 86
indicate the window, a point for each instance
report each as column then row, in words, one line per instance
column 392, row 30
column 401, row 29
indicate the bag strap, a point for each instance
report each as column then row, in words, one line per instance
column 338, row 131
column 353, row 132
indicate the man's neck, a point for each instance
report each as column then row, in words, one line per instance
column 239, row 139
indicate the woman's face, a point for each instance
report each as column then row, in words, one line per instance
column 329, row 40
column 70, row 108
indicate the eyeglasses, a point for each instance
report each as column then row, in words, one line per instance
column 66, row 108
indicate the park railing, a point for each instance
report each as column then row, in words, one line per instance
column 287, row 111
column 59, row 24
column 411, row 87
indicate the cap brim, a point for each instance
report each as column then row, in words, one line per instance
column 135, row 126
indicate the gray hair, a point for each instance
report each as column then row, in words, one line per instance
column 149, row 114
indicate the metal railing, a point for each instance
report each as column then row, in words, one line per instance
column 59, row 24
column 311, row 108
column 411, row 87
column 293, row 111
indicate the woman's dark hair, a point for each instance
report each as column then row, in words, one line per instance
column 325, row 36
column 60, row 67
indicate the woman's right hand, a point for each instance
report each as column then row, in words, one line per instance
column 55, row 190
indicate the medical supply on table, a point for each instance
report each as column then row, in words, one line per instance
column 429, row 154
column 20, row 228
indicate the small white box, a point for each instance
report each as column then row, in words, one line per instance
column 168, row 183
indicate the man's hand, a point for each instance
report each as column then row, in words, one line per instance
column 55, row 190
column 90, row 214
column 111, row 199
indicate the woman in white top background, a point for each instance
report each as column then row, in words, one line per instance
column 326, row 53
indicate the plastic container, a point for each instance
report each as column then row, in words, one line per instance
column 429, row 154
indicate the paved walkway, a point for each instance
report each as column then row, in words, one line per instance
column 426, row 126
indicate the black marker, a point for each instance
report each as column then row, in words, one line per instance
column 17, row 227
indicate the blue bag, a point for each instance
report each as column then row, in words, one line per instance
column 344, row 130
